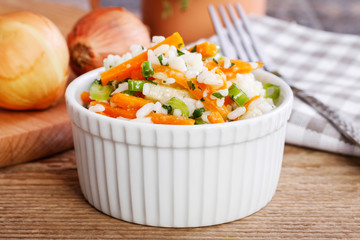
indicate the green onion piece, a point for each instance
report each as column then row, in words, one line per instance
column 194, row 49
column 180, row 45
column 136, row 85
column 217, row 95
column 176, row 103
column 215, row 61
column 191, row 85
column 128, row 92
column 160, row 57
column 199, row 121
column 232, row 64
column 99, row 92
column 168, row 108
column 180, row 52
column 147, row 69
column 271, row 91
column 238, row 95
column 198, row 112
column 202, row 99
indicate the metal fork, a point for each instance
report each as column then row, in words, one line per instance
column 244, row 45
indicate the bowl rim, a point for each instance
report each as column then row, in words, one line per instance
column 72, row 88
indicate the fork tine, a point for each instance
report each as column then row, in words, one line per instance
column 241, row 32
column 226, row 48
column 255, row 43
column 233, row 35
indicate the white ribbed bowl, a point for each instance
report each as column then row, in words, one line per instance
column 178, row 176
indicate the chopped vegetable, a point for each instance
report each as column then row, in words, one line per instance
column 147, row 69
column 217, row 95
column 193, row 50
column 176, row 103
column 99, row 92
column 127, row 101
column 160, row 118
column 215, row 117
column 199, row 121
column 271, row 90
column 136, row 85
column 198, row 112
column 238, row 95
column 206, row 49
column 116, row 111
column 180, row 52
column 85, row 97
column 168, row 108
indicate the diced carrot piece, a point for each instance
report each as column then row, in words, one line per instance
column 160, row 118
column 228, row 100
column 136, row 74
column 206, row 49
column 125, row 69
column 126, row 101
column 85, row 97
column 239, row 66
column 246, row 105
column 115, row 112
column 215, row 117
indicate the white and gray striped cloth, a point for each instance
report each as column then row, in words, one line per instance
column 325, row 64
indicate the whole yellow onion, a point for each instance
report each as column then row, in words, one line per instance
column 34, row 61
column 101, row 32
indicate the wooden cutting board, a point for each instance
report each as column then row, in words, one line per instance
column 29, row 135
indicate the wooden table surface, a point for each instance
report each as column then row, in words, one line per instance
column 318, row 196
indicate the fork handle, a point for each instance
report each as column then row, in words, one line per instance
column 346, row 128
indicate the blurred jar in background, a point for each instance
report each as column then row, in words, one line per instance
column 188, row 17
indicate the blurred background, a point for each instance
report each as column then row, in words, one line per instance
column 340, row 16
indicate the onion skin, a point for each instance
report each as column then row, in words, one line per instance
column 35, row 62
column 102, row 32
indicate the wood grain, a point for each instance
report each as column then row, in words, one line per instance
column 29, row 135
column 318, row 197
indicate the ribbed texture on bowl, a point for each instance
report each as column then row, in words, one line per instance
column 174, row 176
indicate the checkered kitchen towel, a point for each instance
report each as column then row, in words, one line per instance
column 325, row 64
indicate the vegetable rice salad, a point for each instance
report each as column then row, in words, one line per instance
column 171, row 84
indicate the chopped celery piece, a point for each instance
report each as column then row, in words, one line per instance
column 146, row 69
column 99, row 92
column 271, row 91
column 238, row 95
column 176, row 103
column 199, row 121
column 198, row 112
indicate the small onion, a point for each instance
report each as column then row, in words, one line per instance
column 34, row 61
column 102, row 32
